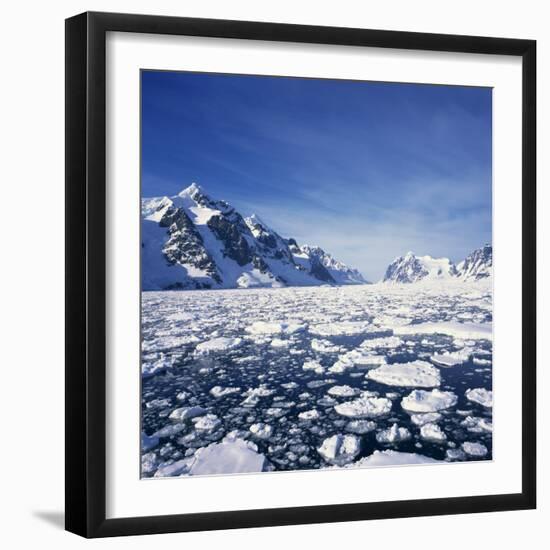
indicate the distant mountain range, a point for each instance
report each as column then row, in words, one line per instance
column 411, row 269
column 192, row 241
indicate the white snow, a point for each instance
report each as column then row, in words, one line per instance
column 340, row 449
column 416, row 374
column 480, row 395
column 422, row 401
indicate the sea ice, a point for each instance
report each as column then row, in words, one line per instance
column 474, row 449
column 476, row 424
column 340, row 449
column 480, row 395
column 148, row 442
column 207, row 423
column 364, row 407
column 313, row 414
column 275, row 327
column 452, row 359
column 343, row 391
column 261, row 430
column 422, row 401
column 218, row 391
column 392, row 458
column 418, row 374
column 393, row 434
column 432, row 432
column 360, row 426
column 421, row 419
column 217, row 345
column 186, row 413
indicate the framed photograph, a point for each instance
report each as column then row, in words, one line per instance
column 300, row 274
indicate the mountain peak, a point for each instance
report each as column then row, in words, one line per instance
column 191, row 191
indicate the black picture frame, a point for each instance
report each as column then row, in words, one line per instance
column 86, row 268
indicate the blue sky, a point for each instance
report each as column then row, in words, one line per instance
column 366, row 170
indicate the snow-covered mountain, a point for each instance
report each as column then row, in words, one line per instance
column 478, row 265
column 412, row 269
column 191, row 241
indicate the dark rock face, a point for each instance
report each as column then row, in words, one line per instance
column 185, row 244
column 235, row 244
column 319, row 271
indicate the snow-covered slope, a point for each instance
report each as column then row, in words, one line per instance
column 478, row 265
column 411, row 269
column 190, row 241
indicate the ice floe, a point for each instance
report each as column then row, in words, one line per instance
column 474, row 449
column 422, row 401
column 340, row 449
column 474, row 331
column 452, row 359
column 261, row 430
column 432, row 432
column 343, row 391
column 186, row 413
column 218, row 345
column 219, row 391
column 480, row 395
column 393, row 434
column 416, row 374
column 364, row 407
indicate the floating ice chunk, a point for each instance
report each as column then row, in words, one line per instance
column 360, row 426
column 229, row 456
column 421, row 419
column 456, row 454
column 480, row 395
column 474, row 449
column 186, row 413
column 480, row 362
column 217, row 345
column 169, row 430
column 325, row 346
column 476, row 424
column 343, row 391
column 340, row 449
column 315, row 366
column 347, row 328
column 261, row 430
column 422, row 401
column 313, row 414
column 364, row 407
column 391, row 458
column 218, row 391
column 253, row 395
column 182, row 395
column 393, row 434
column 451, row 359
column 207, row 423
column 163, row 362
column 148, row 463
column 275, row 327
column 289, row 385
column 177, row 468
column 385, row 342
column 275, row 411
column 361, row 357
column 432, row 432
column 148, row 442
column 419, row 374
column 279, row 343
column 474, row 331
